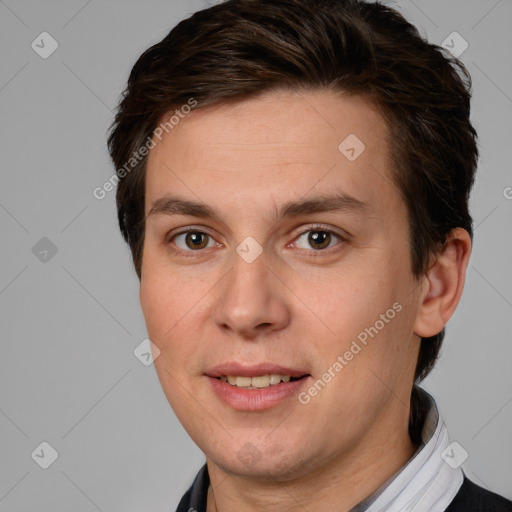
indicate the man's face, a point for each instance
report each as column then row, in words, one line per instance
column 269, row 287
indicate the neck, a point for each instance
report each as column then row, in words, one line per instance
column 339, row 484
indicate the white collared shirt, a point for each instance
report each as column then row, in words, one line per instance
column 426, row 482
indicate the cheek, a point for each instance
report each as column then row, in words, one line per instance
column 174, row 315
column 365, row 303
column 348, row 299
column 161, row 309
column 154, row 303
column 163, row 297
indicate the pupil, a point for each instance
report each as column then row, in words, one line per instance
column 320, row 239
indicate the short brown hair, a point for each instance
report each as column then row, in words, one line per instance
column 241, row 48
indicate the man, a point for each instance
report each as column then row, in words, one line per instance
column 293, row 183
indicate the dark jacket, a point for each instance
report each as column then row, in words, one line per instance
column 470, row 498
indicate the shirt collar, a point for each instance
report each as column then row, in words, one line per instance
column 425, row 482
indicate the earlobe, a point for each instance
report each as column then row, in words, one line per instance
column 443, row 284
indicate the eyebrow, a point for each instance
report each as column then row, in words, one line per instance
column 171, row 205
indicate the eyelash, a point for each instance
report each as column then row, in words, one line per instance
column 314, row 252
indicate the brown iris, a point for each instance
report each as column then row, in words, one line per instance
column 319, row 239
column 196, row 240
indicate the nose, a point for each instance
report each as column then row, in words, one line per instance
column 251, row 300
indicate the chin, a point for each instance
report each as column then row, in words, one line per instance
column 265, row 461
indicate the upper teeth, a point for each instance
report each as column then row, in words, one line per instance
column 261, row 381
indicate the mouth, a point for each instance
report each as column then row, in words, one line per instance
column 258, row 381
column 257, row 387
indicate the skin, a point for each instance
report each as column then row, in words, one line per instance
column 296, row 304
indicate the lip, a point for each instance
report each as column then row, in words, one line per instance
column 240, row 370
column 243, row 399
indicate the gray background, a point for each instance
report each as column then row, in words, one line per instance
column 70, row 323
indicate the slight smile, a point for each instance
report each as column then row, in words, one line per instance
column 256, row 387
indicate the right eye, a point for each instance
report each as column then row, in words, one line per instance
column 191, row 240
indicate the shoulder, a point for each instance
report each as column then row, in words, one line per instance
column 474, row 498
column 195, row 498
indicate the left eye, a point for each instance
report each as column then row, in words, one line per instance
column 317, row 239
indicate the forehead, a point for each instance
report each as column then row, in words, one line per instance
column 280, row 145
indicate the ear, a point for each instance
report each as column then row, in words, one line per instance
column 443, row 284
